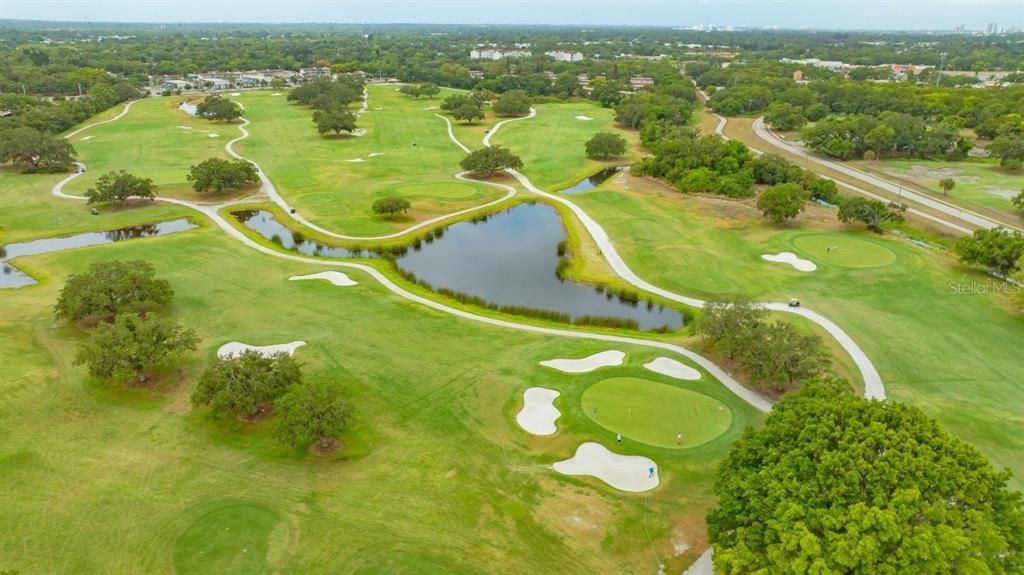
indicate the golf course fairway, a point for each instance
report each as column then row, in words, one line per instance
column 654, row 413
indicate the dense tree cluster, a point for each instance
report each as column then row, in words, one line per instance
column 217, row 175
column 605, row 146
column 490, row 161
column 833, row 483
column 773, row 354
column 428, row 89
column 218, row 108
column 997, row 249
column 391, row 206
column 120, row 186
column 109, row 288
column 131, row 344
column 513, row 103
column 870, row 212
column 35, row 151
column 246, row 385
column 330, row 101
column 887, row 134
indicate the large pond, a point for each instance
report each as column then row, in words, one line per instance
column 593, row 181
column 12, row 277
column 506, row 259
column 510, row 259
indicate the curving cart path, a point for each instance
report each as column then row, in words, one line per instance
column 268, row 188
column 212, row 211
column 873, row 387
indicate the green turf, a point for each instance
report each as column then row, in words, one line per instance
column 232, row 538
column 844, row 250
column 416, row 160
column 654, row 413
column 149, row 143
column 952, row 351
column 433, row 467
column 551, row 144
column 29, row 211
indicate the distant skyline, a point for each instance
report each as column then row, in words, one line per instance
column 827, row 14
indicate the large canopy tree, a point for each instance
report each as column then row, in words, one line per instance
column 35, row 151
column 838, row 484
column 131, row 344
column 246, row 385
column 314, row 411
column 111, row 287
column 218, row 175
column 490, row 161
column 119, row 186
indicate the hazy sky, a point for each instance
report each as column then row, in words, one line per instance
column 832, row 14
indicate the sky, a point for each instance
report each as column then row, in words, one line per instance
column 822, row 14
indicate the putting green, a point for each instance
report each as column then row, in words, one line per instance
column 653, row 413
column 846, row 251
column 233, row 538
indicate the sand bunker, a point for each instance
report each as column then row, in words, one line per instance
column 356, row 160
column 184, row 127
column 236, row 93
column 791, row 259
column 432, row 108
column 337, row 278
column 358, row 132
column 623, row 472
column 212, row 135
column 87, row 138
column 585, row 364
column 538, row 414
column 276, row 94
column 584, row 118
column 672, row 368
column 374, row 154
column 233, row 348
column 378, row 108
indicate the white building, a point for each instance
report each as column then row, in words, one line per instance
column 565, row 56
column 637, row 82
column 250, row 80
column 497, row 54
column 213, row 82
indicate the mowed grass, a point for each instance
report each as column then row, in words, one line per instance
column 28, row 210
column 434, row 475
column 552, row 144
column 405, row 152
column 151, row 142
column 655, row 413
column 933, row 328
column 979, row 183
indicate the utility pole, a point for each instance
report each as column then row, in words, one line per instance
column 942, row 62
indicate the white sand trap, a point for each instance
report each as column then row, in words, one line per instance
column 233, row 348
column 337, row 278
column 623, row 472
column 276, row 94
column 212, row 135
column 87, row 138
column 585, row 364
column 184, row 127
column 359, row 132
column 356, row 160
column 374, row 154
column 432, row 108
column 791, row 259
column 584, row 118
column 378, row 108
column 672, row 368
column 538, row 414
